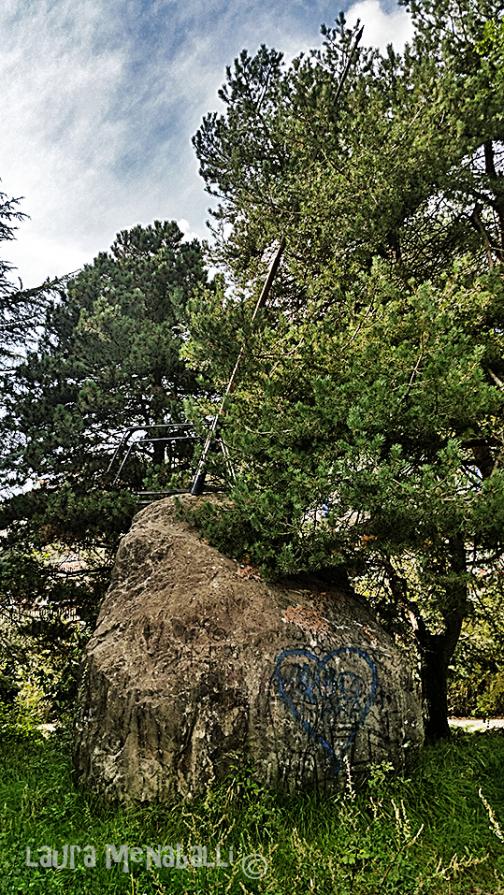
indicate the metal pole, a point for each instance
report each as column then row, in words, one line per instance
column 199, row 478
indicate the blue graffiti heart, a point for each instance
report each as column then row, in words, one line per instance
column 321, row 694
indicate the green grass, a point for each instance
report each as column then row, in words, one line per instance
column 429, row 833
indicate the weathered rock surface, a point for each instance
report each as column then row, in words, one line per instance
column 195, row 665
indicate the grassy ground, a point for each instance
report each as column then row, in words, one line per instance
column 430, row 833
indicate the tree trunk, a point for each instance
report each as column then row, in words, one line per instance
column 436, row 650
column 497, row 189
column 435, row 659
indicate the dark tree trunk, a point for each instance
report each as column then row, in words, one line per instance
column 497, row 188
column 435, row 659
column 436, row 650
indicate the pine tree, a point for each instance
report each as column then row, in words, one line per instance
column 367, row 429
column 107, row 358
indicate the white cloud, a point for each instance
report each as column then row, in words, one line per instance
column 380, row 26
column 100, row 100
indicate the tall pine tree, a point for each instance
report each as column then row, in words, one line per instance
column 107, row 358
column 374, row 388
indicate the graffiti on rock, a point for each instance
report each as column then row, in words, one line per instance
column 329, row 696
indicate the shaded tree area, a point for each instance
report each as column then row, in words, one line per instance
column 367, row 429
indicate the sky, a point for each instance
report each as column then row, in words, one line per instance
column 100, row 99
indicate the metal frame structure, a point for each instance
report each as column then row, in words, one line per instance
column 176, row 434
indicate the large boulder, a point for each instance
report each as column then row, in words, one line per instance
column 197, row 664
